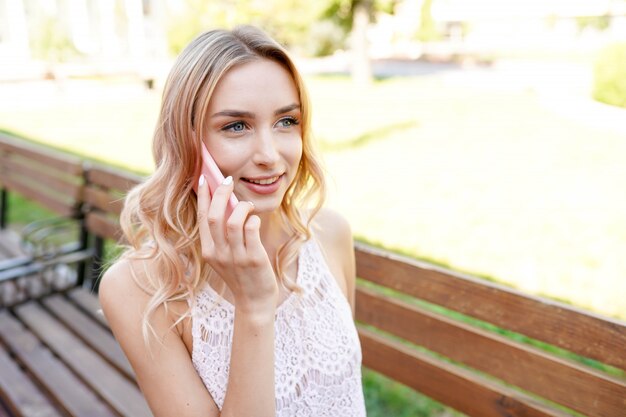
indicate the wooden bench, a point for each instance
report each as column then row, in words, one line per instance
column 55, row 181
column 440, row 333
column 104, row 194
column 58, row 358
column 57, row 355
column 479, row 347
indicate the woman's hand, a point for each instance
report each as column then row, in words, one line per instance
column 233, row 248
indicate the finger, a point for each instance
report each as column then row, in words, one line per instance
column 252, row 236
column 217, row 212
column 235, row 228
column 204, row 201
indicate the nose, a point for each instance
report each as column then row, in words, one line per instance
column 266, row 150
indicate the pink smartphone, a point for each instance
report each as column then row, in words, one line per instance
column 214, row 178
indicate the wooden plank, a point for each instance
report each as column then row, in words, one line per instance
column 90, row 332
column 3, row 411
column 46, row 156
column 58, row 206
column 46, row 181
column 89, row 303
column 586, row 390
column 121, row 394
column 103, row 200
column 584, row 333
column 19, row 393
column 112, row 178
column 447, row 383
column 69, row 391
column 102, row 225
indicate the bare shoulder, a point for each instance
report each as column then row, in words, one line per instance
column 125, row 293
column 332, row 228
column 122, row 287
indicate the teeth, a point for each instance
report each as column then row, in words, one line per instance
column 265, row 181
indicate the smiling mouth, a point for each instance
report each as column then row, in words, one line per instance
column 264, row 181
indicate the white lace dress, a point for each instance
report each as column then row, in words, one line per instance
column 317, row 350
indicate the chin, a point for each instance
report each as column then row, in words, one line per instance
column 265, row 207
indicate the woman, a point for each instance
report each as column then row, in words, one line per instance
column 250, row 313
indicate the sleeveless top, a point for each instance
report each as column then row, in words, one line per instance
column 316, row 347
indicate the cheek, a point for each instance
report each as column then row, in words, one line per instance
column 229, row 157
column 297, row 153
column 293, row 150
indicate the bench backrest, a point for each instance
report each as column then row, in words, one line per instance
column 442, row 333
column 104, row 198
column 53, row 179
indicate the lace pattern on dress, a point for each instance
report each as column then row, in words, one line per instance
column 317, row 352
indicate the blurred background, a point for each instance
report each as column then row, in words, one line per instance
column 488, row 136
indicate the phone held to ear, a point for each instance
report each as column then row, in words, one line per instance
column 214, row 178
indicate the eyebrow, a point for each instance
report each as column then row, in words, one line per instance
column 287, row 109
column 248, row 115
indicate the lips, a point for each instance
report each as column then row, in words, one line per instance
column 262, row 181
column 263, row 185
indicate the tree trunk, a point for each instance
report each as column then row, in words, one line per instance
column 17, row 28
column 361, row 66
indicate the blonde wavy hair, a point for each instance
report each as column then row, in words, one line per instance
column 159, row 216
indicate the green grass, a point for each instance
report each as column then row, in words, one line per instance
column 22, row 211
column 491, row 182
column 385, row 397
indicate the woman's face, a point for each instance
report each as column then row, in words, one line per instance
column 254, row 132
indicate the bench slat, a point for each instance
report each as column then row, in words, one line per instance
column 584, row 333
column 120, row 393
column 58, row 206
column 90, row 332
column 46, row 181
column 112, row 178
column 19, row 393
column 104, row 201
column 572, row 385
column 67, row 389
column 103, row 226
column 89, row 303
column 447, row 383
column 47, row 156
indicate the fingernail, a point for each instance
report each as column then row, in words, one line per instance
column 201, row 180
column 252, row 204
column 228, row 180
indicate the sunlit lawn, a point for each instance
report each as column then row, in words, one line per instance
column 486, row 181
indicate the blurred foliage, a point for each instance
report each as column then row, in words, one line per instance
column 313, row 28
column 50, row 40
column 277, row 17
column 609, row 84
column 594, row 22
column 341, row 12
column 427, row 30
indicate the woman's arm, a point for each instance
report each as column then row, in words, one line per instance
column 164, row 372
column 233, row 249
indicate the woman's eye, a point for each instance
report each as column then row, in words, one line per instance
column 235, row 127
column 288, row 122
